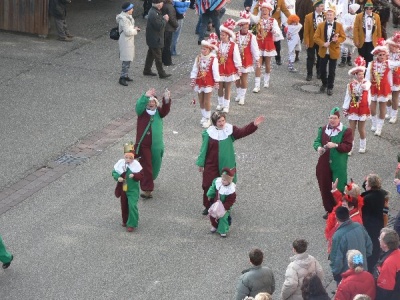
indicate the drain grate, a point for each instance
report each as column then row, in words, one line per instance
column 68, row 159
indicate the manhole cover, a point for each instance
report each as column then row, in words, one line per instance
column 310, row 88
column 68, row 159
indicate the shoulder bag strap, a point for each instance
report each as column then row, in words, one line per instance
column 144, row 134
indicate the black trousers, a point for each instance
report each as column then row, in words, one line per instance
column 146, row 7
column 278, row 50
column 311, row 54
column 153, row 55
column 166, row 52
column 365, row 51
column 329, row 80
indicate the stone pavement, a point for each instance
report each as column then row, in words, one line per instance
column 66, row 118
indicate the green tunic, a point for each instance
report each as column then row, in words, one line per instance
column 5, row 256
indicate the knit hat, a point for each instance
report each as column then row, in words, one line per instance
column 360, row 64
column 228, row 27
column 335, row 111
column 265, row 3
column 127, row 6
column 354, row 7
column 211, row 42
column 227, row 174
column 244, row 18
column 156, row 1
column 317, row 2
column 342, row 214
column 381, row 47
column 128, row 148
column 394, row 40
column 368, row 4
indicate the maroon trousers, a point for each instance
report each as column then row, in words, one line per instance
column 147, row 182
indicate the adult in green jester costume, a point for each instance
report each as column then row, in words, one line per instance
column 128, row 172
column 5, row 256
column 217, row 149
column 149, row 137
column 333, row 143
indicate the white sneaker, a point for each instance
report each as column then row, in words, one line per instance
column 206, row 123
column 350, row 153
column 378, row 132
column 373, row 128
column 213, row 229
column 387, row 116
column 223, row 235
column 241, row 101
column 361, row 150
column 266, row 84
column 393, row 120
column 256, row 89
column 219, row 107
column 225, row 110
column 202, row 120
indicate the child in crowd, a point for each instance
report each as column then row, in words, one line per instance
column 394, row 63
column 249, row 52
column 380, row 75
column 268, row 32
column 222, row 189
column 230, row 64
column 293, row 39
column 347, row 48
column 357, row 101
column 127, row 172
column 205, row 76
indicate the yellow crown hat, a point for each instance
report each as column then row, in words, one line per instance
column 129, row 148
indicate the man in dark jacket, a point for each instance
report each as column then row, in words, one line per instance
column 170, row 27
column 58, row 9
column 155, row 28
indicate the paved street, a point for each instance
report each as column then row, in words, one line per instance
column 61, row 221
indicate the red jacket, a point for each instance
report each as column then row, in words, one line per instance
column 355, row 283
column 388, row 271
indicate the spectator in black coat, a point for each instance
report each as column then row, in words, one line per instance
column 170, row 27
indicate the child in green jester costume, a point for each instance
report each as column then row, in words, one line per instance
column 333, row 143
column 224, row 189
column 128, row 172
column 149, row 137
column 5, row 256
column 217, row 149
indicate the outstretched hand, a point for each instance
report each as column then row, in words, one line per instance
column 334, row 184
column 259, row 120
column 151, row 92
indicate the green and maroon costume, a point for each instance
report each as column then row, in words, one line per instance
column 217, row 152
column 5, row 256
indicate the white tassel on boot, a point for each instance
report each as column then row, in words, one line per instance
column 257, row 82
column 393, row 117
column 373, row 120
column 379, row 126
column 220, row 103
column 238, row 94
column 242, row 96
column 266, row 80
column 363, row 146
column 226, row 106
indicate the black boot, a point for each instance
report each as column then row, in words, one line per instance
column 349, row 63
column 122, row 81
column 342, row 62
column 297, row 56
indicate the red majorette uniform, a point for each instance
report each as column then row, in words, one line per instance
column 380, row 76
column 206, row 73
column 394, row 64
column 229, row 61
column 395, row 57
column 357, row 100
column 248, row 49
column 265, row 38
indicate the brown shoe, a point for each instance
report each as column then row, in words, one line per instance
column 70, row 36
column 146, row 195
column 64, row 39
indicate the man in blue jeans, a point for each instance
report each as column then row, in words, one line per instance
column 209, row 10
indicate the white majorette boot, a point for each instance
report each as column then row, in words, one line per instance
column 388, row 112
column 379, row 126
column 226, row 106
column 363, row 146
column 207, row 119
column 374, row 121
column 238, row 94
column 393, row 117
column 203, row 114
column 266, row 80
column 257, row 82
column 241, row 100
column 220, row 103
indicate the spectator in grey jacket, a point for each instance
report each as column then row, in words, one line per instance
column 302, row 264
column 58, row 9
column 255, row 280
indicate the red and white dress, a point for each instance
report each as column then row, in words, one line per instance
column 266, row 30
column 206, row 73
column 380, row 76
column 395, row 58
column 357, row 100
column 248, row 49
column 229, row 61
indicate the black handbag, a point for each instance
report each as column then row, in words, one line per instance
column 115, row 34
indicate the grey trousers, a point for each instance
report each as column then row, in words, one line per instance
column 61, row 26
column 125, row 68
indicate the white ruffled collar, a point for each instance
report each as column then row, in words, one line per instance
column 225, row 189
column 151, row 112
column 134, row 166
column 330, row 132
column 220, row 134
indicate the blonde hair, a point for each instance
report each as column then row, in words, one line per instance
column 263, row 296
column 355, row 260
column 354, row 192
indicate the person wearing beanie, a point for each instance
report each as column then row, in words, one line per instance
column 205, row 77
column 367, row 31
column 394, row 63
column 380, row 75
column 328, row 36
column 347, row 48
column 5, row 256
column 349, row 235
column 224, row 189
column 333, row 143
column 155, row 29
column 356, row 102
column 149, row 136
column 311, row 22
column 58, row 9
column 126, row 42
column 128, row 172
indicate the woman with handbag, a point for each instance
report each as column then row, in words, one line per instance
column 222, row 194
